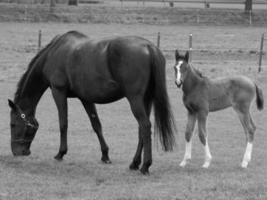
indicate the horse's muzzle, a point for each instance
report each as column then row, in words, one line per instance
column 22, row 153
column 19, row 149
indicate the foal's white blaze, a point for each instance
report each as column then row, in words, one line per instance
column 247, row 155
column 208, row 156
column 178, row 74
column 188, row 152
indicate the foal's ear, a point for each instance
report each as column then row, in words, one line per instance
column 186, row 56
column 177, row 56
column 12, row 105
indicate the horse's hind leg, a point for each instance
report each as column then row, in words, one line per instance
column 203, row 136
column 92, row 114
column 139, row 111
column 138, row 155
column 249, row 129
column 61, row 103
column 191, row 121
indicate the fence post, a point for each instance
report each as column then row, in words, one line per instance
column 52, row 5
column 261, row 52
column 39, row 40
column 250, row 17
column 158, row 40
column 25, row 13
column 190, row 46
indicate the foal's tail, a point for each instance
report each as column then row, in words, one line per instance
column 164, row 121
column 259, row 98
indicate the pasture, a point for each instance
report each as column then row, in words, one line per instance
column 81, row 175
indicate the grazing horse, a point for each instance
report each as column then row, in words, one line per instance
column 202, row 95
column 95, row 72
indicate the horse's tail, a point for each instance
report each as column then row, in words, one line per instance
column 164, row 121
column 259, row 98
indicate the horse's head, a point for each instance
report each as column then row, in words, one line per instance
column 23, row 130
column 181, row 67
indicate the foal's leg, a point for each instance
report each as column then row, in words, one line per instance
column 191, row 121
column 61, row 103
column 92, row 114
column 138, row 109
column 249, row 129
column 138, row 155
column 203, row 136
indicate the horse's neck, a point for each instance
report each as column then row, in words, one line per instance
column 191, row 81
column 31, row 91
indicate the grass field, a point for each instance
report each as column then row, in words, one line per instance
column 225, row 50
column 113, row 12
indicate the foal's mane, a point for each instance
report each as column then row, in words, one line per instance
column 198, row 72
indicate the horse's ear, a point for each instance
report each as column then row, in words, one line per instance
column 12, row 105
column 177, row 56
column 186, row 57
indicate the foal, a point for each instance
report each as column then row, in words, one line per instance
column 202, row 95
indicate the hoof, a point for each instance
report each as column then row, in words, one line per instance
column 133, row 166
column 183, row 164
column 206, row 165
column 106, row 161
column 244, row 164
column 59, row 157
column 144, row 171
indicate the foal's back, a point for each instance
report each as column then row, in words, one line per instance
column 229, row 91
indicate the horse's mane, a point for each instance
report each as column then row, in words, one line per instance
column 22, row 80
column 37, row 59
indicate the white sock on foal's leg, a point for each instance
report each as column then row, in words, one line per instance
column 188, row 152
column 247, row 155
column 208, row 156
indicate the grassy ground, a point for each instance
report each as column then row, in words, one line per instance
column 105, row 13
column 228, row 50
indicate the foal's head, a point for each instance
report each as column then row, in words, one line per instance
column 23, row 129
column 181, row 67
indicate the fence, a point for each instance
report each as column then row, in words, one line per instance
column 204, row 2
column 190, row 47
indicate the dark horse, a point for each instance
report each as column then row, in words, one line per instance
column 95, row 72
column 203, row 95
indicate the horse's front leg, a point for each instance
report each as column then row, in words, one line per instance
column 190, row 126
column 61, row 103
column 203, row 136
column 95, row 122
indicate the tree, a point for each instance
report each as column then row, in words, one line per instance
column 248, row 6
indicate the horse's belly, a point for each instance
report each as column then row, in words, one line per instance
column 219, row 103
column 108, row 98
column 105, row 92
